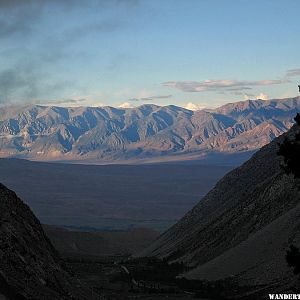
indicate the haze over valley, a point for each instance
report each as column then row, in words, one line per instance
column 109, row 197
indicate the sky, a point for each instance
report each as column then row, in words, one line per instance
column 193, row 53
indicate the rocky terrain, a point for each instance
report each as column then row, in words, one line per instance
column 30, row 267
column 146, row 133
column 242, row 228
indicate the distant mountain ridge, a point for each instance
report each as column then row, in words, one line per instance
column 107, row 134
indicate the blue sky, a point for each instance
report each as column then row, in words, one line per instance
column 194, row 53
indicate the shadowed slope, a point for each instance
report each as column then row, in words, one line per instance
column 242, row 227
column 29, row 266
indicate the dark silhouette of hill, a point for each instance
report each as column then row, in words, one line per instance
column 30, row 268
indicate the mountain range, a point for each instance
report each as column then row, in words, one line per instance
column 146, row 133
column 237, row 235
column 240, row 231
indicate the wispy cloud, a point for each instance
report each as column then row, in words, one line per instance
column 246, row 95
column 194, row 106
column 221, row 85
column 19, row 79
column 60, row 101
column 28, row 73
column 126, row 105
column 151, row 98
column 24, row 14
column 262, row 96
column 293, row 72
column 25, row 81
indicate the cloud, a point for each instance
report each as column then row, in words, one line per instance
column 20, row 79
column 248, row 96
column 60, row 101
column 220, row 85
column 25, row 81
column 9, row 4
column 20, row 16
column 28, row 34
column 239, row 93
column 262, row 96
column 194, row 107
column 126, row 105
column 25, row 18
column 17, row 18
column 293, row 72
column 151, row 98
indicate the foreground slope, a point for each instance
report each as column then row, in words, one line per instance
column 145, row 133
column 29, row 266
column 242, row 228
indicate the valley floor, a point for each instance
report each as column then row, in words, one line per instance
column 107, row 276
column 112, row 197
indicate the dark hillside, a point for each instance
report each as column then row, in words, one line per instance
column 30, row 268
column 242, row 228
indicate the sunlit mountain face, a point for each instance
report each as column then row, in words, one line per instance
column 146, row 133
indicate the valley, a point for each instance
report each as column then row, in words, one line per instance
column 112, row 197
column 225, row 247
column 149, row 150
column 178, row 229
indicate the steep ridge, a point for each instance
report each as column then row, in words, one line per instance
column 242, row 228
column 107, row 134
column 29, row 266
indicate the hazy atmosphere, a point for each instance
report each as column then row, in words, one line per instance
column 193, row 54
column 149, row 149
